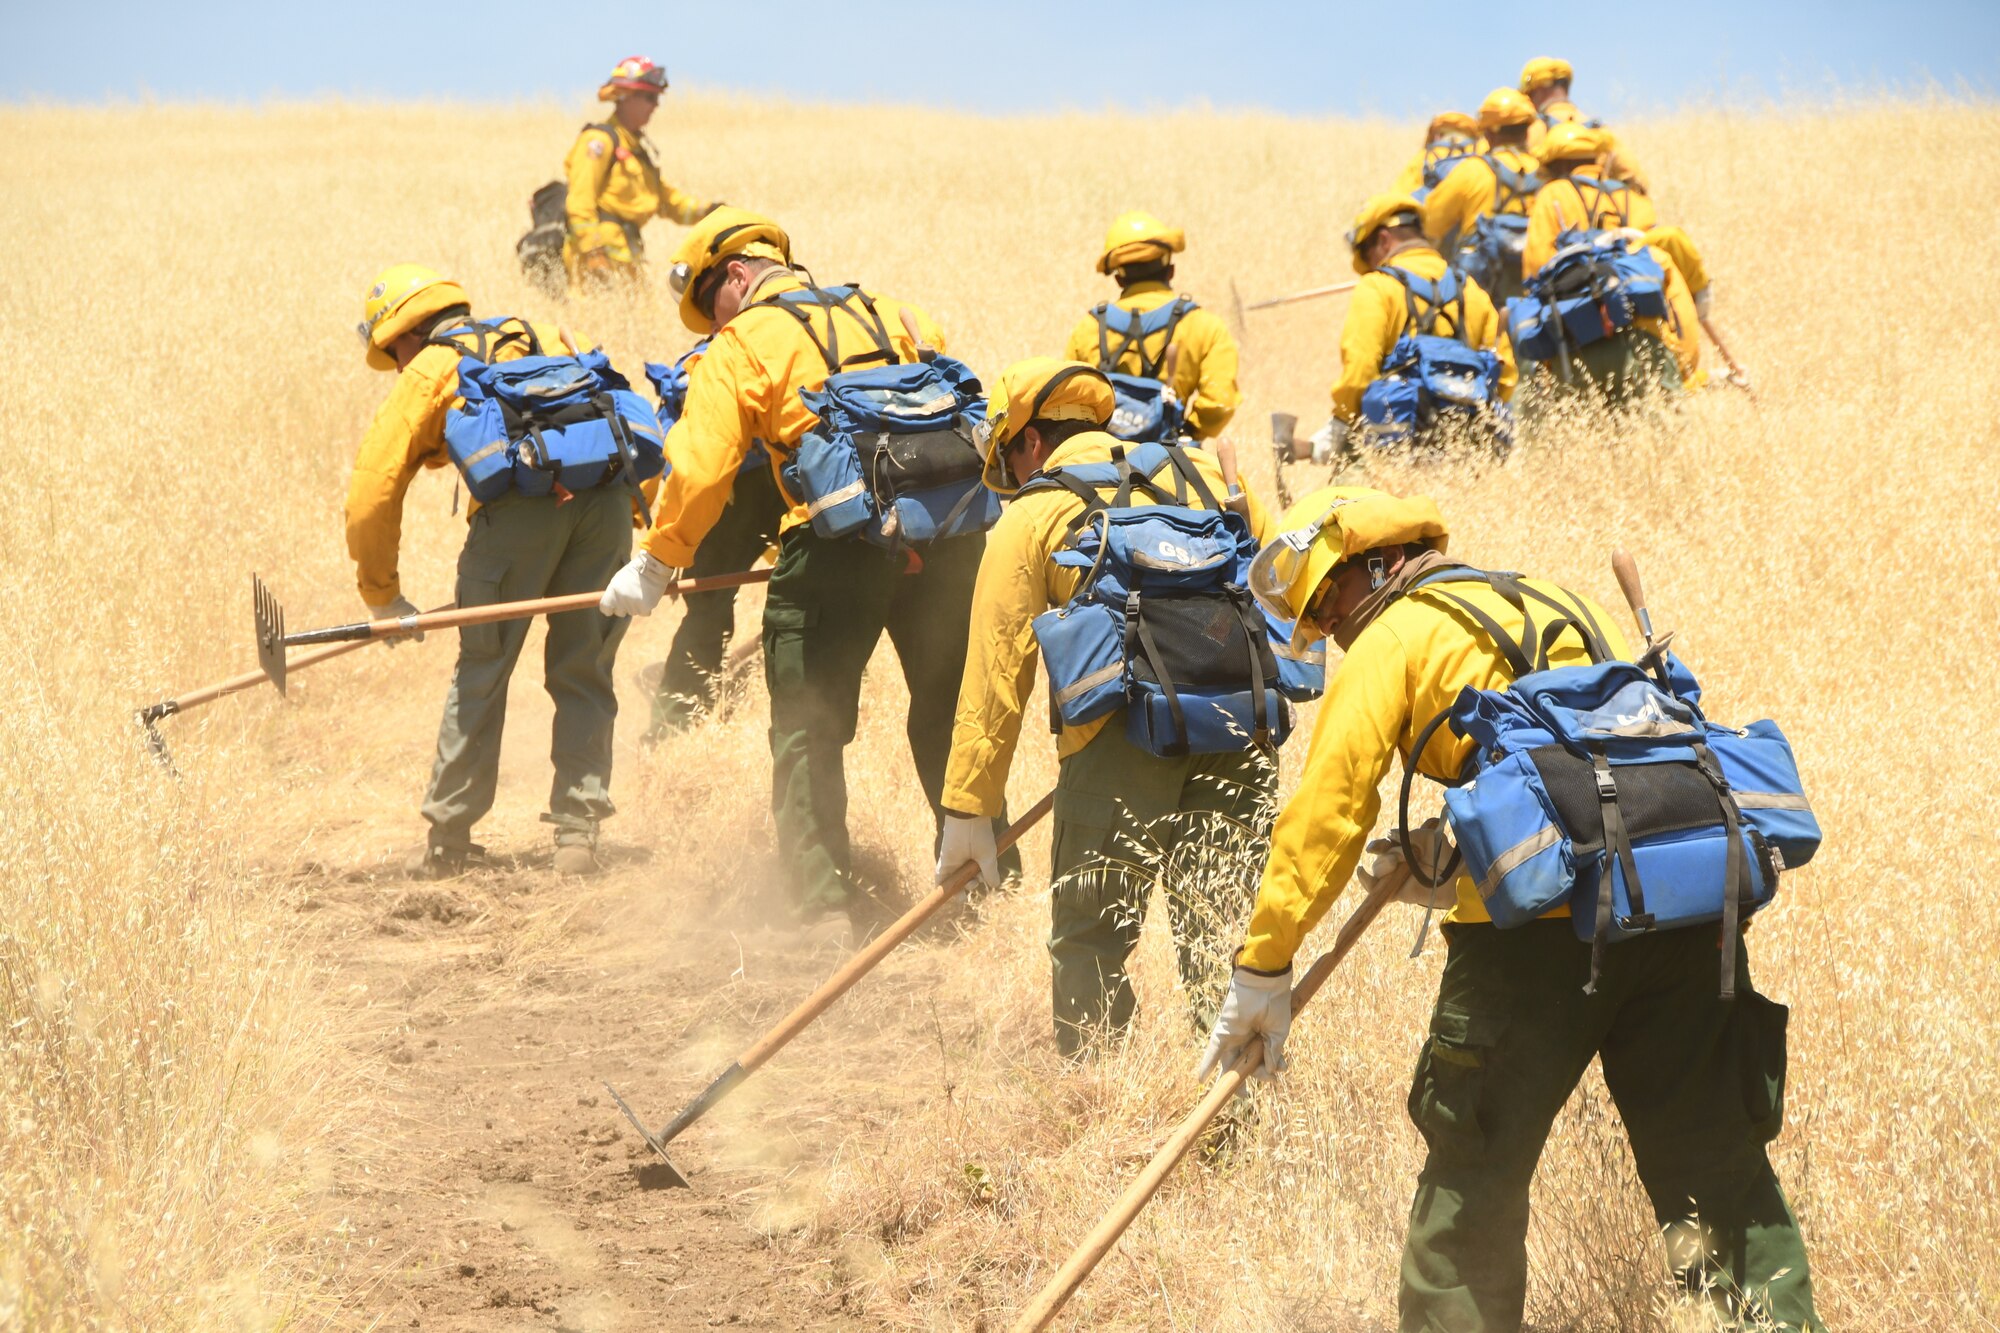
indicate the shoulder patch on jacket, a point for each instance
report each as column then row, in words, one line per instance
column 595, row 146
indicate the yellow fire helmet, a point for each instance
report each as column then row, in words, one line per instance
column 633, row 74
column 402, row 297
column 1446, row 124
column 1504, row 107
column 1381, row 211
column 1047, row 388
column 1326, row 527
column 1543, row 71
column 725, row 232
column 1136, row 237
column 1572, row 142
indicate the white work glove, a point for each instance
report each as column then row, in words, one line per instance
column 636, row 589
column 1329, row 441
column 1704, row 301
column 396, row 610
column 968, row 838
column 1257, row 1008
column 1387, row 866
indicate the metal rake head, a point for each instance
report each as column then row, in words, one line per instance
column 270, row 618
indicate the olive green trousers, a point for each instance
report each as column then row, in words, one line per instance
column 1125, row 819
column 748, row 525
column 830, row 602
column 519, row 547
column 1698, row 1082
column 1619, row 371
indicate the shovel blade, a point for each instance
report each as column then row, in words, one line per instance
column 270, row 620
column 674, row 1178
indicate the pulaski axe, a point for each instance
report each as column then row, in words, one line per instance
column 819, row 1001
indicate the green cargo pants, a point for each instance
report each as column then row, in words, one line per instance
column 830, row 601
column 520, row 547
column 1125, row 819
column 1618, row 371
column 749, row 523
column 1698, row 1081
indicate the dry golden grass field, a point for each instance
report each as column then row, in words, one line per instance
column 251, row 1078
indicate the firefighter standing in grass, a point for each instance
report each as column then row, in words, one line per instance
column 1656, row 351
column 1450, row 138
column 1116, row 805
column 1502, row 181
column 519, row 546
column 1138, row 253
column 1545, row 81
column 614, row 184
column 1697, row 1080
column 830, row 599
column 1387, row 244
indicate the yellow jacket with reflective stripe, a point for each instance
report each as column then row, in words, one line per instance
column 1584, row 202
column 1466, row 195
column 1402, row 671
column 610, row 173
column 1204, row 370
column 1018, row 580
column 408, row 434
column 746, row 388
column 1377, row 315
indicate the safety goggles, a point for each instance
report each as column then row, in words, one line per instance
column 1283, row 562
column 653, row 81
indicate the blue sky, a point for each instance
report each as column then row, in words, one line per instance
column 1301, row 58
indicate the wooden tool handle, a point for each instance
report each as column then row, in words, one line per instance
column 1308, row 295
column 925, row 351
column 1049, row 1301
column 1168, row 364
column 1627, row 570
column 880, row 947
column 1225, row 458
column 548, row 606
column 250, row 679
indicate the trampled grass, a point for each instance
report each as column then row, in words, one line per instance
column 183, row 402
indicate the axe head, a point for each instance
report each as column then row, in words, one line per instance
column 270, row 619
column 674, row 1178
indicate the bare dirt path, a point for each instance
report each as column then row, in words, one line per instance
column 513, row 1194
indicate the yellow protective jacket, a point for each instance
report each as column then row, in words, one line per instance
column 1468, row 194
column 612, row 178
column 407, row 434
column 1378, row 313
column 1584, row 202
column 1018, row 580
column 1402, row 671
column 746, row 388
column 1205, row 367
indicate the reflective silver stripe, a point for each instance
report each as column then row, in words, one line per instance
column 1772, row 800
column 1101, row 676
column 498, row 446
column 1525, row 850
column 847, row 492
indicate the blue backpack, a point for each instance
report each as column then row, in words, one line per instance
column 1605, row 787
column 543, row 424
column 1162, row 624
column 1428, row 378
column 1595, row 287
column 671, row 384
column 1145, row 409
column 1439, row 159
column 890, row 455
column 1491, row 256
